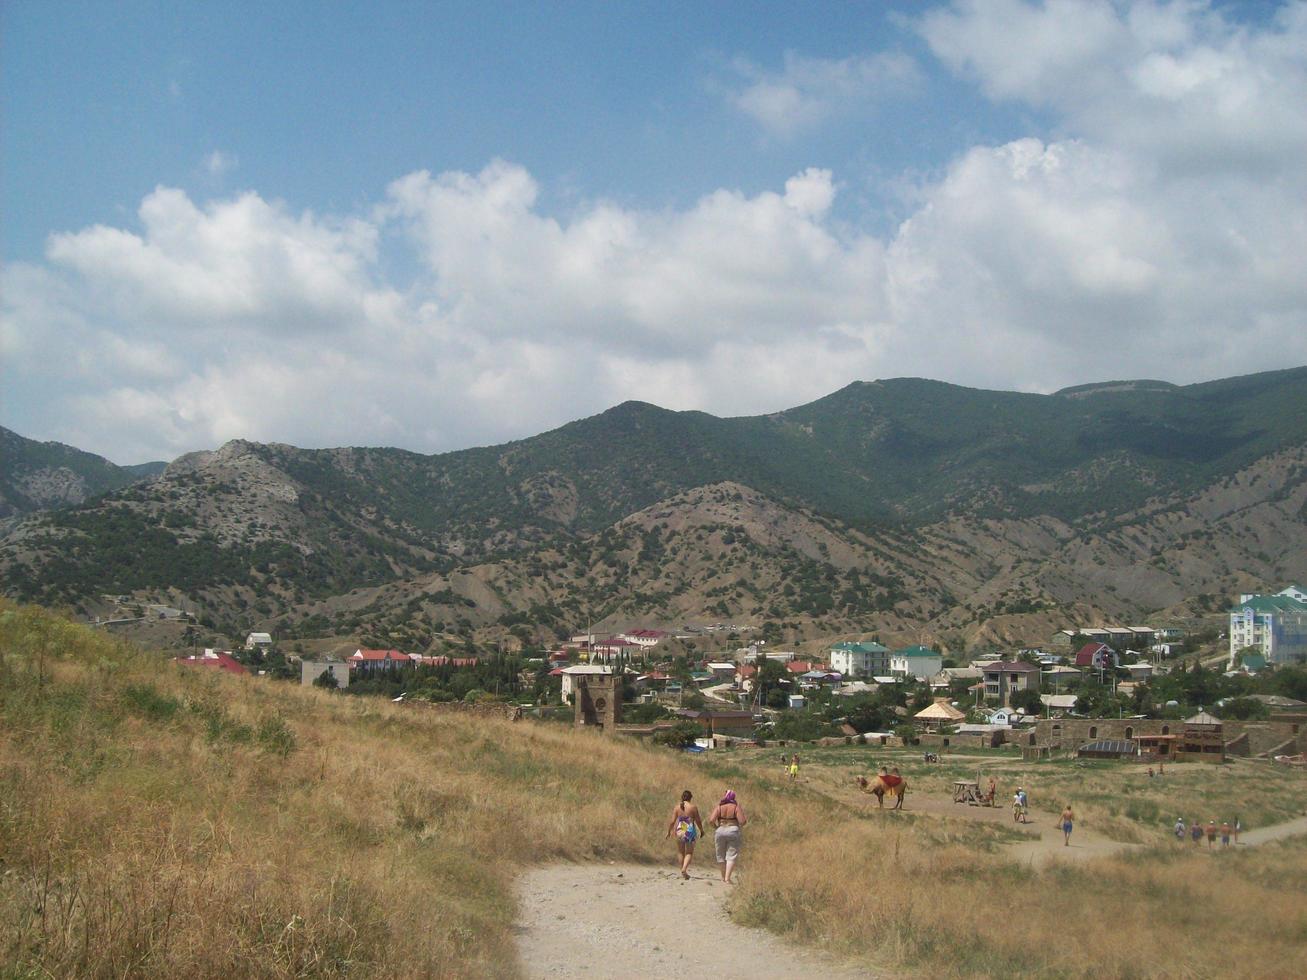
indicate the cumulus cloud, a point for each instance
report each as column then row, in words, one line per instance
column 1175, row 82
column 1157, row 246
column 805, row 91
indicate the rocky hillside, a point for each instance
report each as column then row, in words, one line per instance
column 37, row 476
column 903, row 506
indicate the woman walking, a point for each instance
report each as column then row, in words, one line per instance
column 1068, row 821
column 688, row 828
column 728, row 817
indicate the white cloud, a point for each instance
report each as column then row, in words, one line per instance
column 1155, row 246
column 1174, row 82
column 218, row 164
column 808, row 91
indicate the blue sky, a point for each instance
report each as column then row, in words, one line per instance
column 435, row 225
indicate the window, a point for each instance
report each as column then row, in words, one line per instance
column 1166, row 729
column 1129, row 731
column 1093, row 731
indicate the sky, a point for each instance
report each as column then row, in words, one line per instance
column 438, row 225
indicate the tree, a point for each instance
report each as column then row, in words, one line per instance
column 1028, row 702
column 679, row 735
column 327, row 679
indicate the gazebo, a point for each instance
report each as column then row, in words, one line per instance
column 938, row 715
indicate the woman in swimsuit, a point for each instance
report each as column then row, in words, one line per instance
column 728, row 817
column 688, row 828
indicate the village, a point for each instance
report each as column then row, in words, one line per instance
column 1140, row 693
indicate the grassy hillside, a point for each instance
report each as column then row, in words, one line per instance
column 161, row 821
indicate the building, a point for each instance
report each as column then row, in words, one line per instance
column 715, row 721
column 311, row 670
column 645, row 639
column 372, row 661
column 258, row 641
column 1058, row 704
column 1273, row 625
column 936, row 716
column 915, row 661
column 1202, row 740
column 1006, row 677
column 859, row 659
column 1096, row 656
column 724, row 673
column 570, row 675
column 947, row 675
column 215, row 660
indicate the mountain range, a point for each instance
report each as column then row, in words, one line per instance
column 903, row 507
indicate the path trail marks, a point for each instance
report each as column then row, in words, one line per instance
column 635, row 921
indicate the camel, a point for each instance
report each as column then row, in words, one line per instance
column 878, row 786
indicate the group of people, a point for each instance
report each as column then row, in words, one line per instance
column 728, row 820
column 1197, row 830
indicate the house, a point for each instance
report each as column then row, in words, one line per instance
column 724, row 673
column 258, row 641
column 605, row 651
column 801, row 666
column 859, row 659
column 1010, row 717
column 937, row 715
column 716, row 721
column 851, row 688
column 947, row 675
column 1096, row 655
column 796, row 702
column 569, row 675
column 1275, row 625
column 371, row 661
column 1202, row 740
column 1058, row 704
column 1006, row 677
column 311, row 670
column 1140, row 671
column 645, row 639
column 214, row 659
column 915, row 661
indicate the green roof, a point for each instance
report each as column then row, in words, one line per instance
column 1271, row 603
column 916, row 650
column 864, row 647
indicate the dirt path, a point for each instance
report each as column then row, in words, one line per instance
column 1279, row 831
column 636, row 921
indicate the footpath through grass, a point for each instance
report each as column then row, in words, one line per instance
column 163, row 821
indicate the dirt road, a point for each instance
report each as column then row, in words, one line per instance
column 636, row 921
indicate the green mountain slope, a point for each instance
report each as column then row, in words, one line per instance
column 40, row 475
column 272, row 526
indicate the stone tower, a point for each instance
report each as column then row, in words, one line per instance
column 597, row 700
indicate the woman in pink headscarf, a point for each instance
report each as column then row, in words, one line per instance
column 728, row 817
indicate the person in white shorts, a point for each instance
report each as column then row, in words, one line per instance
column 728, row 817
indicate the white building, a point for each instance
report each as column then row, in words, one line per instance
column 258, row 641
column 865, row 659
column 1274, row 625
column 915, row 661
column 569, row 673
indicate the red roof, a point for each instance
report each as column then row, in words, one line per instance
column 556, row 672
column 1086, row 654
column 219, row 661
column 803, row 666
column 379, row 655
column 746, row 670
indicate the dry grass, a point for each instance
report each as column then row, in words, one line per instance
column 156, row 821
